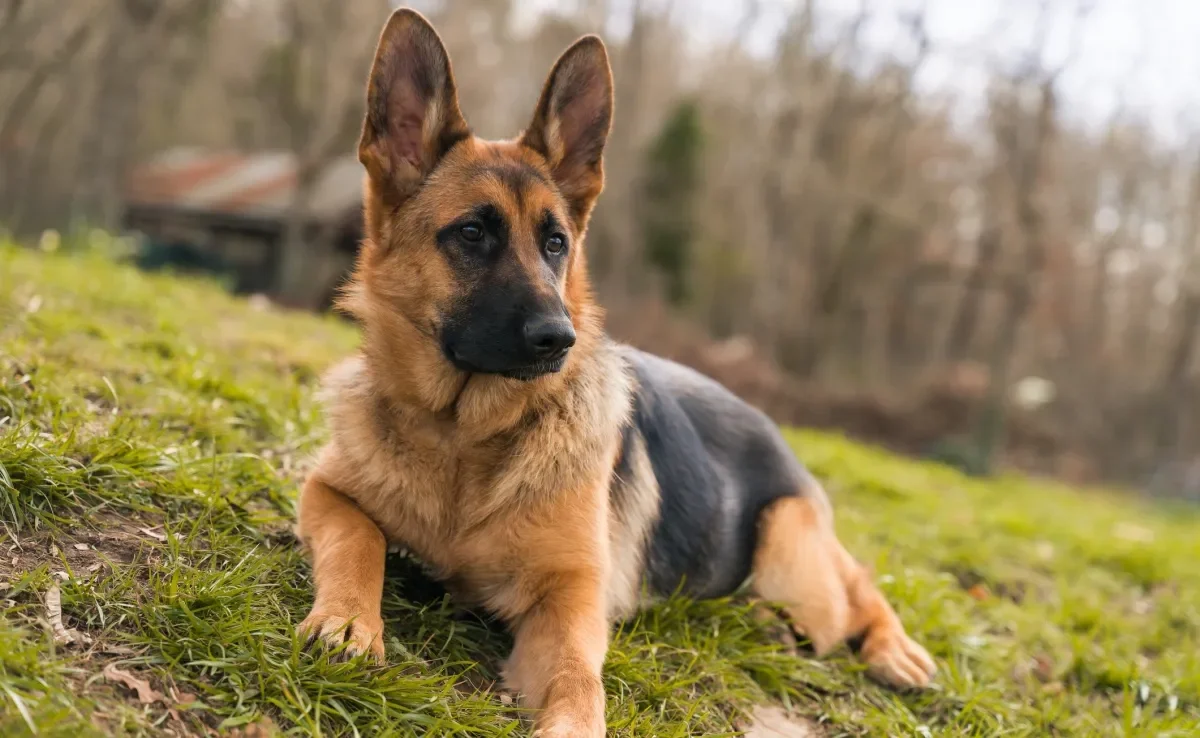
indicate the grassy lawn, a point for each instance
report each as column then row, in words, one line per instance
column 152, row 431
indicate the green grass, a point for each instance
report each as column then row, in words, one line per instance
column 163, row 425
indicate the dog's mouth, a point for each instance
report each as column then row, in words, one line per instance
column 525, row 372
column 529, row 372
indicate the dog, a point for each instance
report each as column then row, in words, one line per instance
column 541, row 470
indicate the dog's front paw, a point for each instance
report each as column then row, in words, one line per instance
column 894, row 658
column 362, row 634
column 565, row 728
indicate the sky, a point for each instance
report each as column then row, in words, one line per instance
column 1139, row 56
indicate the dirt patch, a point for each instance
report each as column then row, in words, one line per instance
column 79, row 551
column 105, row 671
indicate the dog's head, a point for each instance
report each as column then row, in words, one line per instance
column 477, row 244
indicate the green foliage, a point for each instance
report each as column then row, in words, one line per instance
column 162, row 425
column 668, row 196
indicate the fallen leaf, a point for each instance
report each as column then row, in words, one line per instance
column 263, row 728
column 183, row 698
column 62, row 634
column 1043, row 668
column 146, row 694
column 117, row 649
column 153, row 534
column 773, row 722
column 81, row 546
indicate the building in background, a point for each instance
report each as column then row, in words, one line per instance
column 226, row 213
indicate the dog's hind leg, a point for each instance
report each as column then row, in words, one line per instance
column 829, row 597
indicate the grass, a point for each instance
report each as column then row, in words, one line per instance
column 153, row 430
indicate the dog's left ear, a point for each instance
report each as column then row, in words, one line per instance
column 571, row 124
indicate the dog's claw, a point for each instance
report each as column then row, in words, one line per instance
column 359, row 635
column 894, row 658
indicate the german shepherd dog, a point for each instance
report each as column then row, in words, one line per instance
column 542, row 471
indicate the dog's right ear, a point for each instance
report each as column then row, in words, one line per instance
column 412, row 117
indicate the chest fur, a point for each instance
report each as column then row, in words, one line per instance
column 465, row 504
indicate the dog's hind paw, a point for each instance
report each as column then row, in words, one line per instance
column 360, row 634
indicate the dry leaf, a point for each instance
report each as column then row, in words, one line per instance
column 146, row 694
column 153, row 534
column 263, row 728
column 81, row 546
column 62, row 634
column 54, row 551
column 774, row 722
column 1043, row 668
column 183, row 698
column 979, row 592
column 117, row 649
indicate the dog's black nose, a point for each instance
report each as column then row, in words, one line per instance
column 547, row 337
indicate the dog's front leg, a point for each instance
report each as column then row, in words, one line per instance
column 557, row 657
column 348, row 552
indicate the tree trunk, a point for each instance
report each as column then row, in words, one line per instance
column 970, row 306
column 1174, row 383
column 107, row 143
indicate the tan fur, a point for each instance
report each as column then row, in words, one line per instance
column 502, row 486
column 631, row 528
column 828, row 595
column 348, row 596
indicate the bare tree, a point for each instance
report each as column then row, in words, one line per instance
column 304, row 78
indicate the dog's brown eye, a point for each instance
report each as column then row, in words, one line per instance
column 555, row 244
column 471, row 232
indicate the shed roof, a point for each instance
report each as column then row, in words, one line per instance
column 255, row 185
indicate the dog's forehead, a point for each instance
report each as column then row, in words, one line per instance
column 502, row 174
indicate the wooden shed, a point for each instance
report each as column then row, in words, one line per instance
column 225, row 212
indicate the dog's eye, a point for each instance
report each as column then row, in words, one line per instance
column 555, row 244
column 471, row 232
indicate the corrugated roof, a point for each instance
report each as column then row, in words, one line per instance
column 258, row 185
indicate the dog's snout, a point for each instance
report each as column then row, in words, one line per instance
column 549, row 337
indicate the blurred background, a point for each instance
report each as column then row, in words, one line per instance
column 965, row 229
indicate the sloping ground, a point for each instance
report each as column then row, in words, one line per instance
column 151, row 434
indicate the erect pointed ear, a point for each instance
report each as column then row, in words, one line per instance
column 412, row 107
column 572, row 121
